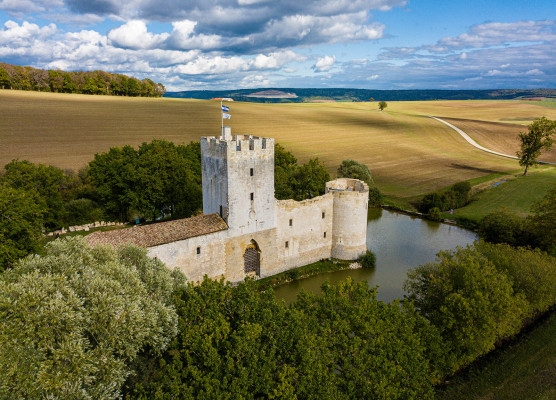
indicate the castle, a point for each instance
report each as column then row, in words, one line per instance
column 244, row 230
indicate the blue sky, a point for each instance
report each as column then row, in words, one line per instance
column 224, row 44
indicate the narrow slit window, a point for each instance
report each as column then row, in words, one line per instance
column 291, row 222
column 324, row 234
column 252, row 196
column 323, row 215
column 251, row 172
column 198, row 250
column 287, row 244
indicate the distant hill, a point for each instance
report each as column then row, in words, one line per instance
column 86, row 82
column 302, row 95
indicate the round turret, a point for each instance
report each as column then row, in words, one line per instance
column 349, row 224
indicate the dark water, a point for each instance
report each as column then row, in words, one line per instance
column 400, row 242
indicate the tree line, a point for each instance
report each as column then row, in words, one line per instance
column 86, row 82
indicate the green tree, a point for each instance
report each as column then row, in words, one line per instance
column 46, row 180
column 501, row 226
column 541, row 223
column 538, row 138
column 356, row 170
column 310, row 180
column 532, row 272
column 238, row 342
column 5, row 81
column 157, row 180
column 382, row 105
column 472, row 304
column 74, row 320
column 21, row 219
column 284, row 168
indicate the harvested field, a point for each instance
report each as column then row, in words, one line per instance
column 408, row 154
column 508, row 111
column 497, row 136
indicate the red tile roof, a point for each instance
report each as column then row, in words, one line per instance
column 160, row 233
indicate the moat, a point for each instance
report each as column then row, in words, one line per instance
column 400, row 242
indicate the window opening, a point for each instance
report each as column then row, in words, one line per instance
column 287, row 244
column 252, row 196
column 198, row 250
column 251, row 171
column 291, row 222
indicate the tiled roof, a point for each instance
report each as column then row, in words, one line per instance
column 160, row 233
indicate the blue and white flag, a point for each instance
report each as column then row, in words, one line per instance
column 226, row 116
column 225, row 108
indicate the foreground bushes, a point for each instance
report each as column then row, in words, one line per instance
column 73, row 322
column 236, row 342
column 482, row 294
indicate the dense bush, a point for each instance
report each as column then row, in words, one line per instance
column 481, row 294
column 368, row 260
column 235, row 342
column 73, row 321
column 501, row 226
column 457, row 196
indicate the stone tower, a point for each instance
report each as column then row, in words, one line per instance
column 238, row 181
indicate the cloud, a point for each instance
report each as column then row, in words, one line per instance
column 134, row 35
column 18, row 7
column 324, row 64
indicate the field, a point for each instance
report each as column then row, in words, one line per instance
column 409, row 154
column 526, row 369
column 516, row 194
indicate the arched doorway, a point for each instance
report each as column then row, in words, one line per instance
column 252, row 260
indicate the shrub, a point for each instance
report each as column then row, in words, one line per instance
column 501, row 226
column 368, row 260
column 434, row 214
column 375, row 196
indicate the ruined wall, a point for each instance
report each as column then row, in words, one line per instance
column 306, row 226
column 351, row 200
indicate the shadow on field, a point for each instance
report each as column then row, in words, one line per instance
column 471, row 168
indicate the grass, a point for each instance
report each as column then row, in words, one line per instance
column 305, row 271
column 408, row 154
column 517, row 195
column 525, row 369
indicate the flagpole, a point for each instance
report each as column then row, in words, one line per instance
column 222, row 118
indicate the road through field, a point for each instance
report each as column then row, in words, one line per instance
column 475, row 144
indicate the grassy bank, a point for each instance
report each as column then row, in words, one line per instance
column 524, row 369
column 303, row 272
column 515, row 193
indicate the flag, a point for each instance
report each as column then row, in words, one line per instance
column 226, row 116
column 225, row 108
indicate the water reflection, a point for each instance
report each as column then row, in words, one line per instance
column 400, row 242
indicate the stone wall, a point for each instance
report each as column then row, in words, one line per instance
column 306, row 226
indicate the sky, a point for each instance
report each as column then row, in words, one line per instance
column 231, row 44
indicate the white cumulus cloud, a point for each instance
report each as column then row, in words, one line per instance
column 134, row 35
column 324, row 64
